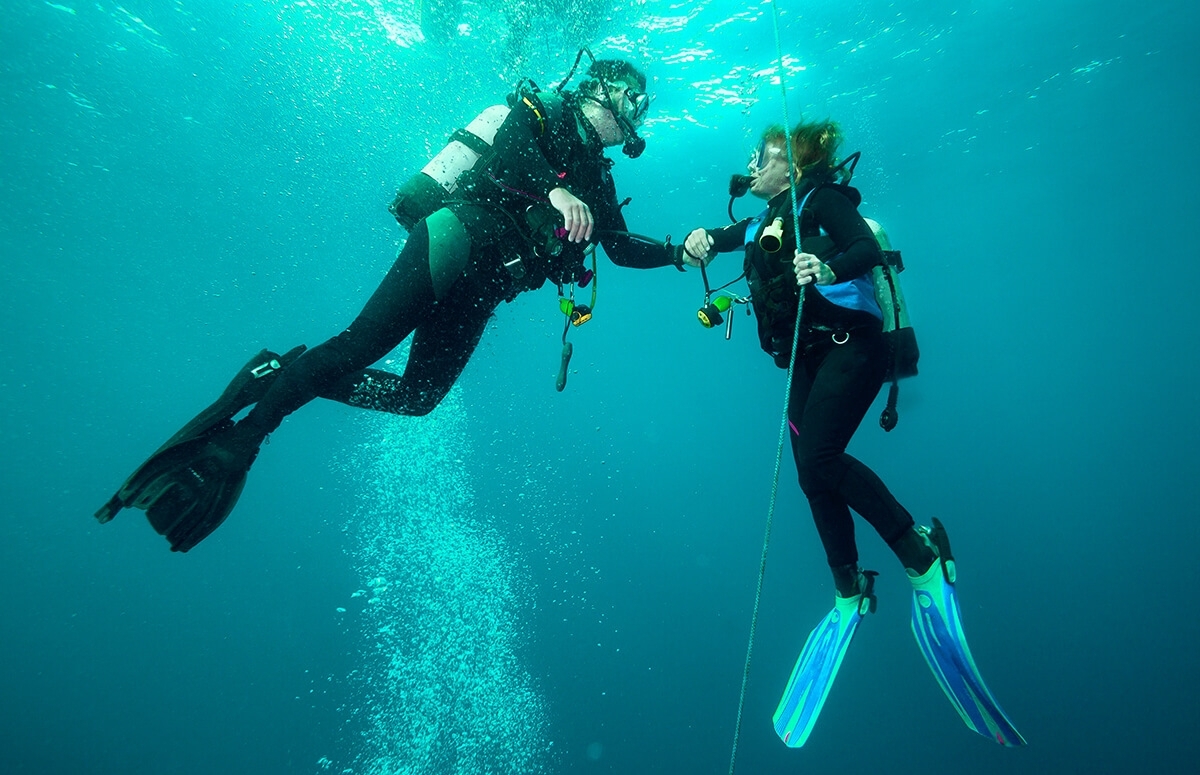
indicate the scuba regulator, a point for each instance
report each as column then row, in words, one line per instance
column 710, row 314
column 714, row 309
column 576, row 315
column 739, row 186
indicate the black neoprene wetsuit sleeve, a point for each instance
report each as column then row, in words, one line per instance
column 858, row 250
column 731, row 237
column 620, row 249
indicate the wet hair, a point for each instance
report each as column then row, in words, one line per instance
column 612, row 71
column 814, row 145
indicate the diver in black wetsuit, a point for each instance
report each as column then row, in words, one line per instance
column 495, row 241
column 842, row 358
column 525, row 216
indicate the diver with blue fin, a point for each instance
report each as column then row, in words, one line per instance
column 828, row 308
column 517, row 199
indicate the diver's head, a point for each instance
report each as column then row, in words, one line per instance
column 615, row 102
column 769, row 165
column 814, row 147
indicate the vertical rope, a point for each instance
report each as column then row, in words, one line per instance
column 783, row 425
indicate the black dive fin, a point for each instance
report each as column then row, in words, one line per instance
column 164, row 478
column 198, row 483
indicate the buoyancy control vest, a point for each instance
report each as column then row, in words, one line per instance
column 773, row 288
column 460, row 172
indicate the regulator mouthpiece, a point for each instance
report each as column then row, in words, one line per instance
column 739, row 185
column 634, row 146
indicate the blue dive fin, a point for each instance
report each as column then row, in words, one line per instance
column 937, row 626
column 813, row 675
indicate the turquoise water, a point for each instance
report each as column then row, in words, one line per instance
column 534, row 582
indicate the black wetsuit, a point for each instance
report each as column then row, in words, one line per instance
column 475, row 236
column 840, row 365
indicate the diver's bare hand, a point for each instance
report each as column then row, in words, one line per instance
column 697, row 248
column 577, row 216
column 810, row 269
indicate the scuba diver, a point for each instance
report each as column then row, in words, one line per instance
column 523, row 210
column 841, row 361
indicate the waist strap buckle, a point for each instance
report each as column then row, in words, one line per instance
column 263, row 369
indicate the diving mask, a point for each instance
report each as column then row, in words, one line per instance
column 762, row 156
column 639, row 105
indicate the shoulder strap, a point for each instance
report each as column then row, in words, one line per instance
column 547, row 107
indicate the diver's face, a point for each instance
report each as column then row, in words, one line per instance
column 617, row 113
column 602, row 110
column 629, row 102
column 769, row 172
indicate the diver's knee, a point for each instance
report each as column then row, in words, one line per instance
column 419, row 403
column 813, row 476
column 362, row 343
column 820, row 473
column 419, row 409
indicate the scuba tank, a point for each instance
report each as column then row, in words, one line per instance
column 897, row 329
column 426, row 191
column 898, row 333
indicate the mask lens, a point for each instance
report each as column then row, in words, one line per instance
column 758, row 159
column 639, row 104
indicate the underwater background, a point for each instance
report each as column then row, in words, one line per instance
column 528, row 581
